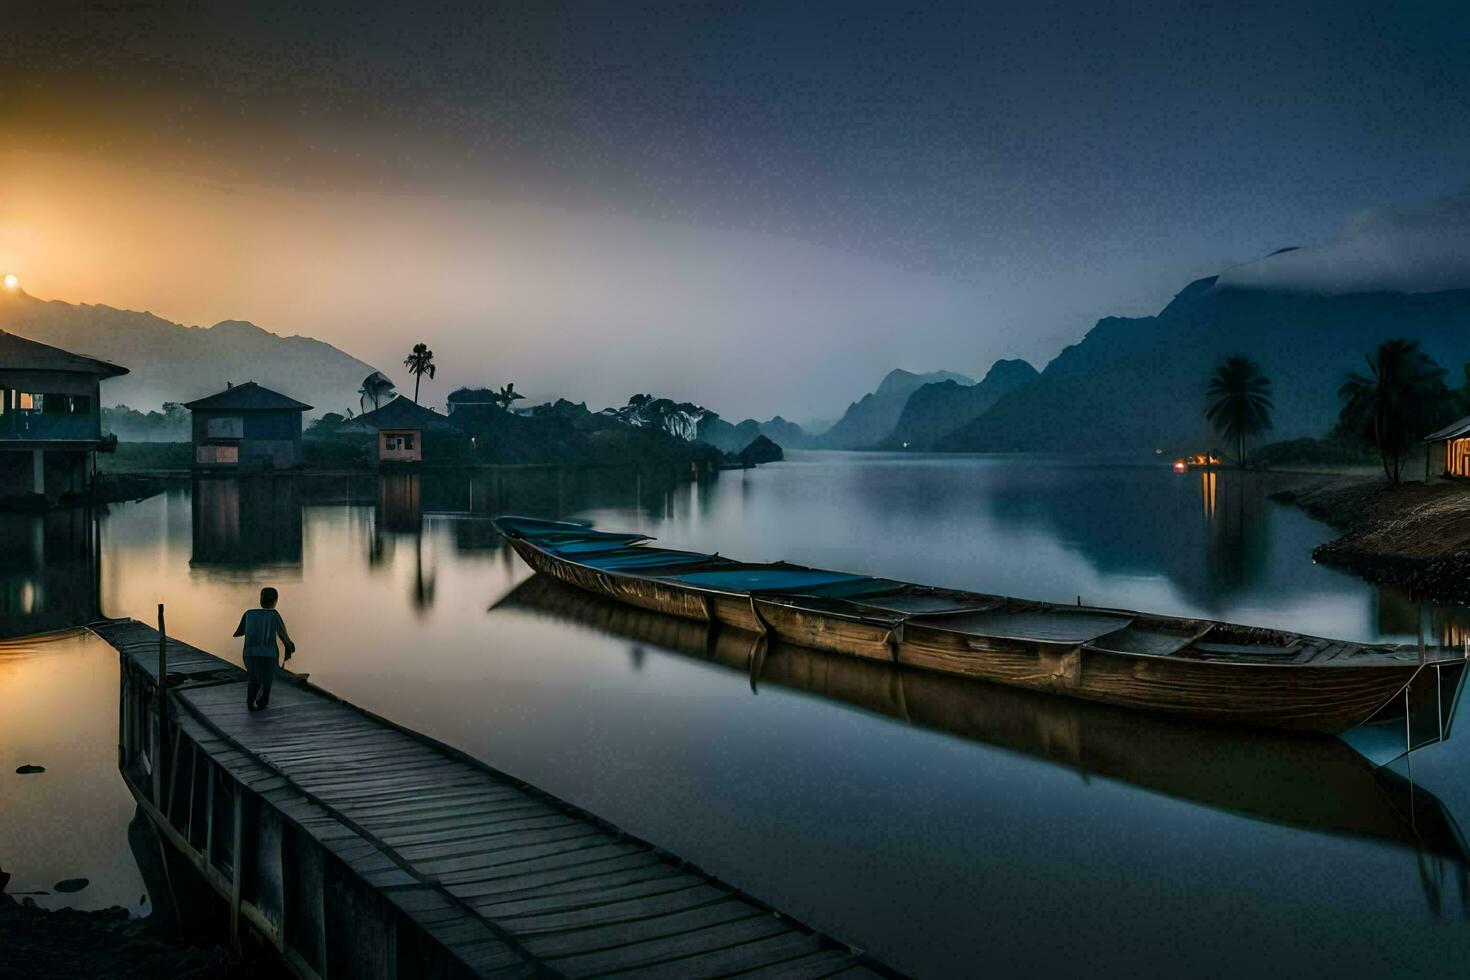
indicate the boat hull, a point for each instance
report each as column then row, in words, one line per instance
column 1296, row 697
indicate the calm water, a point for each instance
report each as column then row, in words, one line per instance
column 947, row 827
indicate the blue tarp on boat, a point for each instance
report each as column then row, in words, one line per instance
column 633, row 558
column 593, row 546
column 767, row 579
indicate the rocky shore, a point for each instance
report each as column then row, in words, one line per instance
column 69, row 943
column 1415, row 536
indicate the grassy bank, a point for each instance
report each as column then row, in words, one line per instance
column 1415, row 535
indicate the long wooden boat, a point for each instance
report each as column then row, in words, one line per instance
column 1202, row 669
column 1303, row 780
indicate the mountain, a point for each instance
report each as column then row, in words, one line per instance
column 170, row 362
column 725, row 437
column 941, row 407
column 1139, row 383
column 786, row 434
column 869, row 420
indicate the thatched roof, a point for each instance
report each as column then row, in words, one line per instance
column 19, row 354
column 248, row 397
column 1455, row 430
column 400, row 413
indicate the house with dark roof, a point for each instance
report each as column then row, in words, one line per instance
column 401, row 427
column 50, row 418
column 247, row 427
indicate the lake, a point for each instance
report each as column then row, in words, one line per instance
column 947, row 827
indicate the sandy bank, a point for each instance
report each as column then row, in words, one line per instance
column 1416, row 535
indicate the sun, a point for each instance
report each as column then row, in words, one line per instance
column 11, row 282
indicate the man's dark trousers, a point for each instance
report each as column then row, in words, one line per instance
column 262, row 672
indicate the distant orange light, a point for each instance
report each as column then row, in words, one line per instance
column 1180, row 466
column 11, row 282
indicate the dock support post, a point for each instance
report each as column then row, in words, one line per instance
column 160, row 711
column 237, row 868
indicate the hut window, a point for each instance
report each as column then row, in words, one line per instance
column 226, row 427
column 28, row 401
column 227, row 454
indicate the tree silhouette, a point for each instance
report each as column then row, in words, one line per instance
column 508, row 395
column 1392, row 406
column 1239, row 401
column 376, row 389
column 419, row 363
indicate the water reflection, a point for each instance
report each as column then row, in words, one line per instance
column 1314, row 783
column 983, row 805
column 48, row 571
column 246, row 524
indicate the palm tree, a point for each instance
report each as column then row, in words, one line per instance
column 1387, row 407
column 507, row 395
column 377, row 389
column 1240, row 401
column 419, row 363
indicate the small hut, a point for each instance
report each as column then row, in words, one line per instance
column 247, row 426
column 401, row 426
column 1449, row 450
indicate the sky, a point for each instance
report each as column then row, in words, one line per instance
column 760, row 207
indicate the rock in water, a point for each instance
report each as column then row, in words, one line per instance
column 28, row 770
column 760, row 450
column 71, row 885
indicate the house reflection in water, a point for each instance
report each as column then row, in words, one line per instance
column 48, row 571
column 400, row 503
column 246, row 522
column 1399, row 614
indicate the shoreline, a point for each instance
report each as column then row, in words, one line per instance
column 1415, row 536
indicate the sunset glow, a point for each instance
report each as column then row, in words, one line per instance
column 11, row 282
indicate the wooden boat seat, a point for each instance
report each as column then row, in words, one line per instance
column 1145, row 640
column 1055, row 626
column 1248, row 649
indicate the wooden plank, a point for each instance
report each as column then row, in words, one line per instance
column 550, row 821
column 452, row 867
column 593, row 882
column 706, row 940
column 525, row 869
column 627, row 911
column 601, row 895
column 561, row 873
column 733, row 959
column 469, row 845
column 823, row 964
column 553, row 944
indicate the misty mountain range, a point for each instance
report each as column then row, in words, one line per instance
column 170, row 362
column 1132, row 383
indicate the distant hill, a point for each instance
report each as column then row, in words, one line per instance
column 937, row 409
column 1139, row 383
column 786, row 434
column 170, row 362
column 868, row 421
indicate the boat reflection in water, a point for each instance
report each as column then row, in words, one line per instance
column 1313, row 782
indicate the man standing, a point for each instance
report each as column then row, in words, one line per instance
column 260, row 627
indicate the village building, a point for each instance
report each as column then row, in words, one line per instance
column 401, row 427
column 1449, row 451
column 247, row 427
column 50, row 418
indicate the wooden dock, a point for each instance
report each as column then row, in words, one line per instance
column 359, row 848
